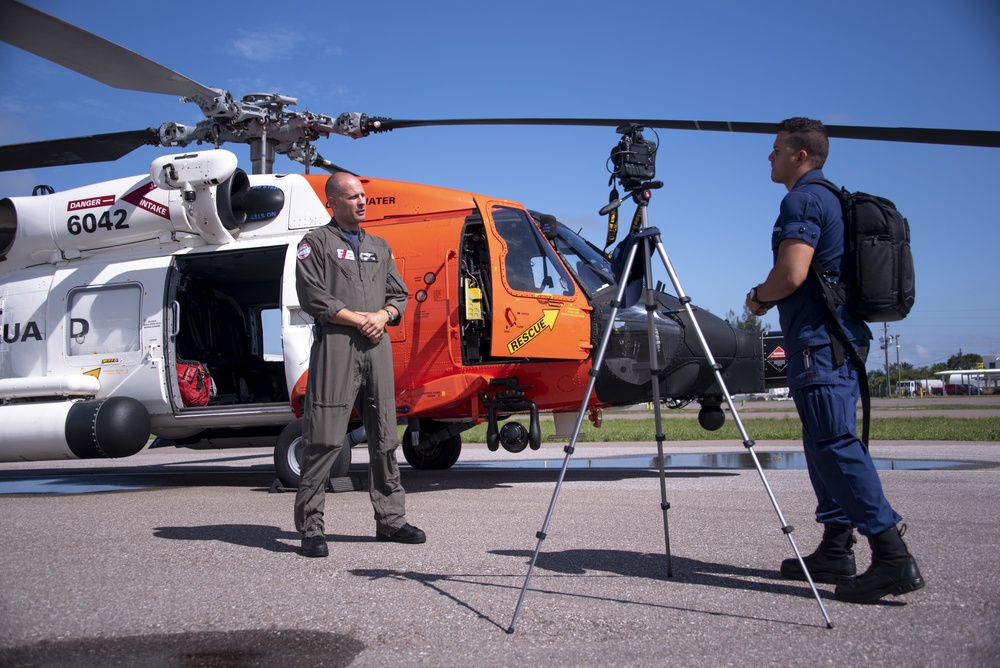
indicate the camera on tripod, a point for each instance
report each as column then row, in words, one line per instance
column 634, row 158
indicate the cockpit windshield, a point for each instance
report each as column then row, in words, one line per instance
column 591, row 267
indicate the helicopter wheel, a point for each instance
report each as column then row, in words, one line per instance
column 441, row 456
column 288, row 456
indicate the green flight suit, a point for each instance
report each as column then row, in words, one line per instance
column 347, row 371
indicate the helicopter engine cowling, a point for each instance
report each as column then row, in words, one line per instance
column 51, row 430
column 98, row 218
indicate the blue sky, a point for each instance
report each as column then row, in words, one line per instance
column 916, row 63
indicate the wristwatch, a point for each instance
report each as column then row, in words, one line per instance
column 389, row 313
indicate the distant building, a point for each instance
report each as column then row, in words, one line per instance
column 984, row 377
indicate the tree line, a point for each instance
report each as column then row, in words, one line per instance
column 749, row 322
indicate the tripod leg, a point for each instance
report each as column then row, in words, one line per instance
column 748, row 442
column 654, row 374
column 571, row 446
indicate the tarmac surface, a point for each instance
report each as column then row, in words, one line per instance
column 185, row 558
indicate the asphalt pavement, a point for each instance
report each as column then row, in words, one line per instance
column 174, row 558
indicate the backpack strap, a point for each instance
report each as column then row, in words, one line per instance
column 842, row 344
column 829, row 184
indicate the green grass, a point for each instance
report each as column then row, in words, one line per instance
column 781, row 428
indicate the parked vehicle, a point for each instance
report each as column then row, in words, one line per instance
column 916, row 388
column 961, row 389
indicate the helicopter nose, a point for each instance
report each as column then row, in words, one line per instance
column 625, row 373
column 683, row 370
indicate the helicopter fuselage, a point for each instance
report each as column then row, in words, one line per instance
column 114, row 289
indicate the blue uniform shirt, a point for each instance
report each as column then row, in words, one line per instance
column 813, row 214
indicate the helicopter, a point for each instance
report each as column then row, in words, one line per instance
column 120, row 296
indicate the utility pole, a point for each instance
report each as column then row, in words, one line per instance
column 886, row 342
column 899, row 369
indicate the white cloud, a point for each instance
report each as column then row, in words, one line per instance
column 276, row 44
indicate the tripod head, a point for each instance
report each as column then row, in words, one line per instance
column 641, row 195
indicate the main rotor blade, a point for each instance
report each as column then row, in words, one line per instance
column 65, row 44
column 328, row 166
column 75, row 150
column 986, row 138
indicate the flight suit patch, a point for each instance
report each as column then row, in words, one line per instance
column 345, row 254
column 369, row 257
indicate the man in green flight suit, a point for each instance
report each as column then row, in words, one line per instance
column 347, row 281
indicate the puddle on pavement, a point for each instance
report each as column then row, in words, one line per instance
column 84, row 484
column 69, row 485
column 725, row 460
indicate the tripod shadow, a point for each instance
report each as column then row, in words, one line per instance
column 431, row 580
column 630, row 564
column 654, row 567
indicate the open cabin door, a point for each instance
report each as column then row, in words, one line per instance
column 223, row 313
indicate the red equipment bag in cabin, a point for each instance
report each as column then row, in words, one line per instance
column 195, row 383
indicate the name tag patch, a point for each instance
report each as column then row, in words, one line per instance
column 345, row 254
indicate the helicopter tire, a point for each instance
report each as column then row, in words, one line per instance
column 288, row 456
column 441, row 456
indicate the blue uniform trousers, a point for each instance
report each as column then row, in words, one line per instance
column 847, row 486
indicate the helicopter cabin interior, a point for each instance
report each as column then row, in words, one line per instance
column 228, row 319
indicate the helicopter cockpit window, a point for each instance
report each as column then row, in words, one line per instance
column 530, row 264
column 591, row 266
column 104, row 320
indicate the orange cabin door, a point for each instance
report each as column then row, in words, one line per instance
column 538, row 311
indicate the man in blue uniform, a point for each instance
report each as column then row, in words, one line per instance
column 848, row 489
column 347, row 280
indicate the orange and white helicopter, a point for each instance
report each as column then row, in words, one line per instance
column 113, row 296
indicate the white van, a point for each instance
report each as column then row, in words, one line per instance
column 919, row 388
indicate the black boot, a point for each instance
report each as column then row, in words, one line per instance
column 893, row 571
column 832, row 561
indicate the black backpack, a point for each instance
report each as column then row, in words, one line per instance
column 877, row 278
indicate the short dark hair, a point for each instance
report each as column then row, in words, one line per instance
column 806, row 134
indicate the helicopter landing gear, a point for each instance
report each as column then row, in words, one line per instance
column 288, row 456
column 438, row 447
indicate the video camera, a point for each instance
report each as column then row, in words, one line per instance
column 634, row 158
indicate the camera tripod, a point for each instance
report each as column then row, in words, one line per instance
column 649, row 239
